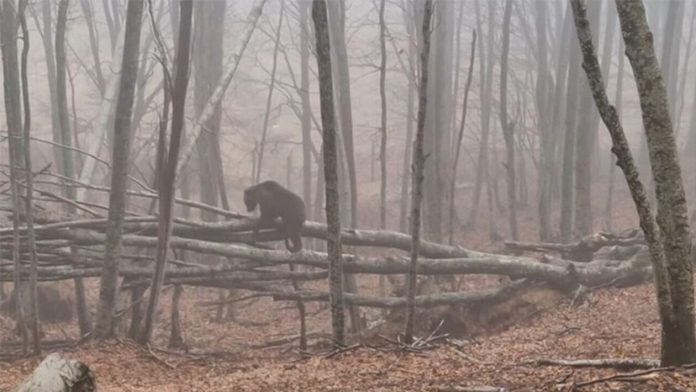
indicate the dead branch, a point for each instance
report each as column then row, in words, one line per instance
column 616, row 363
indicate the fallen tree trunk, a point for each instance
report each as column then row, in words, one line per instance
column 558, row 272
column 59, row 374
column 582, row 250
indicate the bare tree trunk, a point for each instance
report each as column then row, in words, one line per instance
column 567, row 175
column 584, row 142
column 618, row 102
column 207, row 61
column 544, row 114
column 120, row 168
column 29, row 179
column 460, row 137
column 47, row 38
column 409, row 19
column 627, row 164
column 169, row 164
column 439, row 120
column 383, row 120
column 209, row 18
column 682, row 83
column 487, row 63
column 507, row 126
column 306, row 106
column 88, row 12
column 13, row 112
column 176, row 339
column 679, row 346
column 418, row 173
column 336, row 12
column 269, row 99
column 319, row 15
column 66, row 139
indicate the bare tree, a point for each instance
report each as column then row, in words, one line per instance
column 305, row 118
column 568, row 151
column 333, row 220
column 9, row 24
column 458, row 143
column 507, row 126
column 418, row 172
column 543, row 97
column 383, row 119
column 169, row 164
column 29, row 182
column 337, row 14
column 679, row 346
column 668, row 236
column 487, row 63
column 104, row 327
column 409, row 21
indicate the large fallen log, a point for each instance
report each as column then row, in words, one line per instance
column 59, row 374
column 582, row 250
column 557, row 272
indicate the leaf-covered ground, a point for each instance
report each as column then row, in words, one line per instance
column 614, row 323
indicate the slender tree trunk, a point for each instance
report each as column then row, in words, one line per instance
column 618, row 102
column 169, row 164
column 13, row 112
column 120, row 168
column 319, row 15
column 682, row 83
column 207, row 61
column 418, row 173
column 460, row 137
column 336, row 12
column 383, row 119
column 29, row 179
column 486, row 64
column 544, row 115
column 567, row 174
column 306, row 106
column 66, row 139
column 507, row 126
column 410, row 74
column 88, row 12
column 47, row 38
column 269, row 99
column 176, row 339
column 585, row 132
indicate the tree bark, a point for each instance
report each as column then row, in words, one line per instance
column 486, row 61
column 383, row 119
column 679, row 346
column 418, row 172
column 29, row 182
column 336, row 12
column 567, row 173
column 13, row 114
column 460, row 137
column 269, row 98
column 305, row 118
column 119, row 178
column 319, row 15
column 507, row 126
column 169, row 165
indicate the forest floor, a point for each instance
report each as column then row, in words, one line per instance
column 611, row 323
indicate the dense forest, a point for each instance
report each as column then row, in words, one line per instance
column 445, row 195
